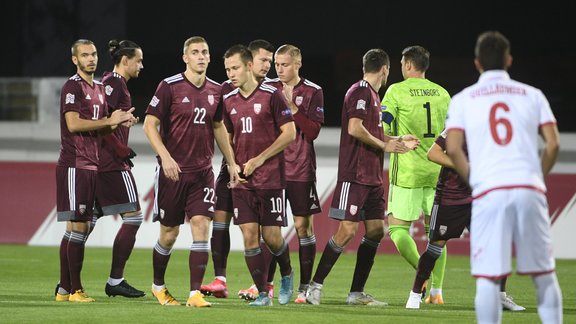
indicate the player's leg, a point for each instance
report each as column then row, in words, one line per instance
column 373, row 209
column 220, row 240
column 533, row 243
column 404, row 208
column 116, row 193
column 272, row 202
column 198, row 258
column 304, row 204
column 169, row 212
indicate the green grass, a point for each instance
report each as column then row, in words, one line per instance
column 28, row 276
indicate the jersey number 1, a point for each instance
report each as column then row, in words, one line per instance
column 428, row 133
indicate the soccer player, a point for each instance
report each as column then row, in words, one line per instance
column 83, row 117
column 187, row 107
column 306, row 102
column 414, row 106
column 501, row 119
column 450, row 216
column 262, row 53
column 116, row 191
column 359, row 194
column 261, row 127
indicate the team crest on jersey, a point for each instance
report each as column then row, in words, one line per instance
column 211, row 99
column 82, row 209
column 361, row 104
column 235, row 212
column 162, row 212
column 154, row 102
column 353, row 209
column 70, row 98
column 101, row 97
column 109, row 90
column 443, row 229
column 257, row 108
column 298, row 101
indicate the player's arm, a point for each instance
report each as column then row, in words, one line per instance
column 455, row 151
column 287, row 136
column 223, row 141
column 170, row 167
column 549, row 132
column 357, row 130
column 76, row 124
column 437, row 155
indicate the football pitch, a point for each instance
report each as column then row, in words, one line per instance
column 28, row 276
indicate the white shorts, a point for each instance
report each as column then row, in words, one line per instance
column 507, row 216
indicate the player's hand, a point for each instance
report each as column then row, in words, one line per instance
column 171, row 169
column 396, row 146
column 251, row 166
column 235, row 177
column 128, row 158
column 411, row 141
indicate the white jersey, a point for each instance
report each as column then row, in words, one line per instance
column 501, row 119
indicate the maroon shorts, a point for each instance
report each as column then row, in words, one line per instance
column 115, row 193
column 303, row 198
column 75, row 194
column 355, row 202
column 223, row 193
column 448, row 222
column 265, row 207
column 193, row 194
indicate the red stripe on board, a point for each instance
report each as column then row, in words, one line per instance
column 27, row 195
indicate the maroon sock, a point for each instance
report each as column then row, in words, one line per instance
column 364, row 262
column 64, row 271
column 220, row 245
column 425, row 266
column 160, row 258
column 197, row 261
column 269, row 260
column 255, row 263
column 283, row 259
column 122, row 248
column 329, row 257
column 307, row 254
column 76, row 259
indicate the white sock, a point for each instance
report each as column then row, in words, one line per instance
column 435, row 291
column 549, row 298
column 158, row 288
column 221, row 278
column 62, row 291
column 193, row 292
column 487, row 301
column 114, row 282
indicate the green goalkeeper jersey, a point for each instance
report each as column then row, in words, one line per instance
column 414, row 106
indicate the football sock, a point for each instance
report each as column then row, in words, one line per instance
column 400, row 235
column 64, row 271
column 256, row 266
column 487, row 301
column 160, row 258
column 425, row 265
column 549, row 298
column 124, row 244
column 307, row 255
column 197, row 261
column 364, row 262
column 329, row 257
column 220, row 245
column 438, row 271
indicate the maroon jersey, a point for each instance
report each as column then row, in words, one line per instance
column 300, row 155
column 80, row 150
column 186, row 115
column 450, row 189
column 255, row 124
column 117, row 97
column 359, row 162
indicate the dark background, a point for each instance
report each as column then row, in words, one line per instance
column 37, row 34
